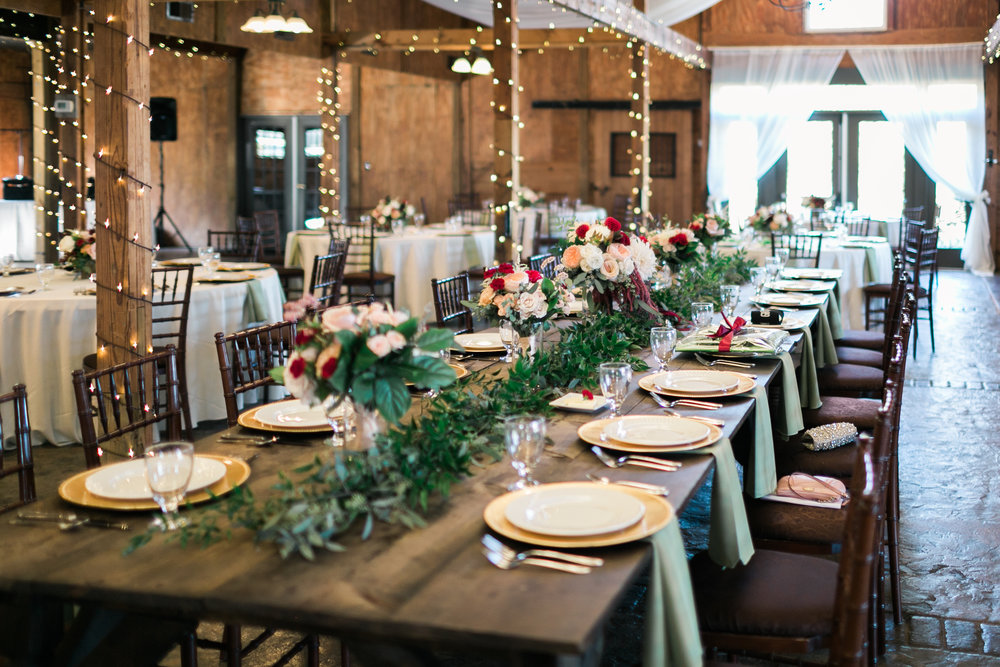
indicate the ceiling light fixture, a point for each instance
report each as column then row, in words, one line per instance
column 274, row 22
column 473, row 62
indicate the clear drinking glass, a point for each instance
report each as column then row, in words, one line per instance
column 614, row 377
column 524, row 436
column 783, row 254
column 7, row 262
column 758, row 275
column 773, row 267
column 510, row 339
column 213, row 262
column 45, row 273
column 205, row 254
column 168, row 472
column 729, row 296
column 701, row 313
column 662, row 341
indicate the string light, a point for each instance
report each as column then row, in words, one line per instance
column 993, row 42
column 328, row 97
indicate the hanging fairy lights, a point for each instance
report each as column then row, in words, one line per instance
column 328, row 97
column 992, row 40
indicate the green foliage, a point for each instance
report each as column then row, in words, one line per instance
column 699, row 281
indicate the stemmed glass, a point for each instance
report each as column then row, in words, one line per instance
column 662, row 340
column 773, row 267
column 729, row 296
column 510, row 339
column 44, row 272
column 7, row 261
column 205, row 254
column 758, row 275
column 701, row 313
column 614, row 377
column 783, row 254
column 213, row 262
column 524, row 436
column 168, row 472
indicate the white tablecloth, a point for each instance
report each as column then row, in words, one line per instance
column 525, row 221
column 852, row 262
column 17, row 229
column 413, row 257
column 47, row 334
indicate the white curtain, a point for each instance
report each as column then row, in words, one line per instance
column 756, row 95
column 669, row 12
column 940, row 105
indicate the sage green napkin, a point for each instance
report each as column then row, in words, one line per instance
column 833, row 313
column 871, row 261
column 255, row 307
column 808, row 382
column 729, row 539
column 824, row 348
column 670, row 635
column 749, row 340
column 790, row 417
column 760, row 477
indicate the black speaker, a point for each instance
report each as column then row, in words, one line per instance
column 164, row 124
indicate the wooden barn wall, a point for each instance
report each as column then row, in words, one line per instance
column 15, row 110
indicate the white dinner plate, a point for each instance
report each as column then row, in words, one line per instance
column 292, row 413
column 791, row 299
column 127, row 481
column 483, row 342
column 813, row 274
column 802, row 285
column 571, row 510
column 656, row 431
column 696, row 382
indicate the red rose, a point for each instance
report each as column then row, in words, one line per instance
column 643, row 239
column 328, row 367
column 297, row 367
column 534, row 276
column 489, row 273
column 582, row 230
column 613, row 225
column 679, row 240
column 497, row 284
column 79, row 242
column 695, row 226
column 506, row 268
column 303, row 336
column 625, row 240
column 587, row 394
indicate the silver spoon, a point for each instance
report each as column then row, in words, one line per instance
column 663, row 465
column 655, row 489
column 505, row 563
column 494, row 544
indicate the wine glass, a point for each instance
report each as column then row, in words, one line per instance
column 205, row 254
column 729, row 296
column 614, row 377
column 783, row 254
column 662, row 341
column 44, row 272
column 7, row 262
column 213, row 262
column 758, row 275
column 701, row 313
column 168, row 472
column 773, row 267
column 524, row 437
column 510, row 339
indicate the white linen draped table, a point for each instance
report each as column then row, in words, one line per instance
column 17, row 229
column 852, row 261
column 47, row 334
column 525, row 221
column 414, row 257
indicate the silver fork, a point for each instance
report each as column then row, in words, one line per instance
column 494, row 544
column 663, row 465
column 505, row 563
column 721, row 362
column 655, row 489
column 684, row 402
column 706, row 420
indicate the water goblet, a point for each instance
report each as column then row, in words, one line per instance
column 783, row 254
column 510, row 339
column 662, row 340
column 773, row 267
column 168, row 472
column 614, row 377
column 205, row 254
column 44, row 272
column 758, row 275
column 213, row 262
column 524, row 437
column 7, row 262
column 701, row 313
column 729, row 296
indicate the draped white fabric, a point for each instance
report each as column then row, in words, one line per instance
column 756, row 95
column 940, row 105
column 531, row 14
column 669, row 12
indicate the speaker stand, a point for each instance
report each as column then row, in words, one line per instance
column 161, row 213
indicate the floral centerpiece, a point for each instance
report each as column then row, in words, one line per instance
column 392, row 210
column 613, row 267
column 812, row 201
column 708, row 228
column 525, row 298
column 674, row 246
column 366, row 354
column 79, row 249
column 769, row 219
column 527, row 197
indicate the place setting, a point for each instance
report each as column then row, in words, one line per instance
column 801, row 285
column 291, row 417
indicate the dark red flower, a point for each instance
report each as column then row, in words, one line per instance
column 587, row 394
column 695, row 226
column 582, row 230
column 679, row 240
column 489, row 273
column 534, row 276
column 643, row 239
column 625, row 240
column 497, row 284
column 79, row 242
column 303, row 336
column 297, row 367
column 613, row 225
column 505, row 268
column 328, row 367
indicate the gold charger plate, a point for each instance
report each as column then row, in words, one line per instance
column 183, row 261
column 744, row 384
column 248, row 420
column 460, row 372
column 658, row 514
column 74, row 489
column 230, row 277
column 243, row 266
column 591, row 434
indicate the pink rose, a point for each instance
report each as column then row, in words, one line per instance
column 618, row 251
column 379, row 345
column 380, row 317
column 327, row 361
column 609, row 268
column 513, row 280
column 571, row 257
column 339, row 318
column 90, row 250
column 712, row 226
column 397, row 341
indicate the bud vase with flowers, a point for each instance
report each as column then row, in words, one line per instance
column 79, row 249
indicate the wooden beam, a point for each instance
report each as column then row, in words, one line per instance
column 44, row 7
column 74, row 187
column 44, row 155
column 922, row 36
column 505, row 122
column 122, row 141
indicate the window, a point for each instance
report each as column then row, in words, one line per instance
column 846, row 15
column 662, row 154
column 270, row 144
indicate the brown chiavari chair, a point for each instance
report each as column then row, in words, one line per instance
column 327, row 278
column 245, row 224
column 23, row 466
column 360, row 276
column 868, row 348
column 124, row 399
column 538, row 263
column 907, row 253
column 858, row 225
column 235, row 246
column 462, row 201
column 925, row 267
column 245, row 357
column 915, row 213
column 803, row 247
column 338, row 245
column 448, row 296
column 272, row 250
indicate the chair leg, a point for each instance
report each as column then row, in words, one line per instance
column 868, row 312
column 892, row 521
column 345, row 655
column 312, row 651
column 189, row 650
column 916, row 329
column 930, row 316
column 232, row 639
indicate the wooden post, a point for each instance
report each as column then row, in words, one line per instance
column 329, row 99
column 639, row 117
column 505, row 123
column 124, row 232
column 45, row 157
column 73, row 192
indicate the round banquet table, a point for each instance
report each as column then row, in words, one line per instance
column 525, row 221
column 861, row 263
column 46, row 335
column 414, row 257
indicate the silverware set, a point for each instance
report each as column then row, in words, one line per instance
column 261, row 441
column 653, row 463
column 721, row 362
column 685, row 403
column 506, row 558
column 655, row 489
column 66, row 522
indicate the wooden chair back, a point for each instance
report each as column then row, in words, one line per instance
column 119, row 402
column 542, row 264
column 805, row 247
column 858, row 225
column 360, row 243
column 245, row 224
column 235, row 246
column 23, row 465
column 448, row 296
column 245, row 357
column 925, row 263
column 620, row 207
column 269, row 228
column 327, row 278
column 915, row 213
column 909, row 244
column 462, row 201
column 171, row 302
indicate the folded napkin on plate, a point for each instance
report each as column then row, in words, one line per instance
column 748, row 340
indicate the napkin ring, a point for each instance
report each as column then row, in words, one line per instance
column 830, row 436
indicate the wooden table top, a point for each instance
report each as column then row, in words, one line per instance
column 429, row 586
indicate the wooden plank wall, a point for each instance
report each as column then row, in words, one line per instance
column 15, row 110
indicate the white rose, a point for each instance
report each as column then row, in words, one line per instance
column 339, row 318
column 66, row 243
column 599, row 233
column 542, row 308
column 527, row 303
column 591, row 258
column 302, row 387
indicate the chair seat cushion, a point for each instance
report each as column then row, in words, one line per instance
column 862, row 412
column 777, row 594
column 841, row 379
column 859, row 356
column 877, row 289
column 771, row 520
column 363, row 277
column 870, row 340
column 791, row 457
